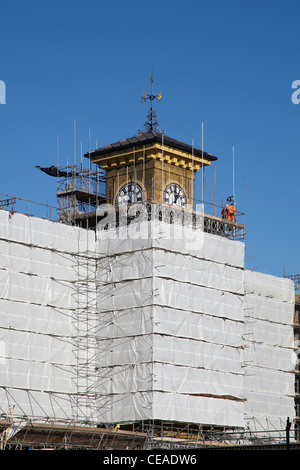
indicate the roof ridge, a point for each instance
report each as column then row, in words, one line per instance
column 145, row 137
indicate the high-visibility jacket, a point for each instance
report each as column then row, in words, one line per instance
column 225, row 212
column 231, row 212
column 231, row 209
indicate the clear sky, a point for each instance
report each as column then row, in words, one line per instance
column 229, row 64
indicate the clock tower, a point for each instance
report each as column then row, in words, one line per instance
column 168, row 286
column 150, row 166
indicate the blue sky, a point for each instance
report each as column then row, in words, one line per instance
column 229, row 64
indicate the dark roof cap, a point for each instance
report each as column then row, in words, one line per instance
column 145, row 138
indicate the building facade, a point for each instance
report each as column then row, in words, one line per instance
column 145, row 316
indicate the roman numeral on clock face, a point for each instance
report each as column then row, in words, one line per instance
column 129, row 194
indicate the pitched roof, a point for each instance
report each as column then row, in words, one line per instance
column 145, row 138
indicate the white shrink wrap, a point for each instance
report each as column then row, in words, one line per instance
column 145, row 376
column 170, row 407
column 172, row 238
column 42, row 301
column 269, row 357
column 169, row 321
column 168, row 265
column 168, row 293
column 158, row 321
column 170, row 328
column 268, row 286
column 43, row 233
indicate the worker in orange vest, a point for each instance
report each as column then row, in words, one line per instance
column 225, row 212
column 231, row 212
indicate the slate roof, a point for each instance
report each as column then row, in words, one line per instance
column 145, row 138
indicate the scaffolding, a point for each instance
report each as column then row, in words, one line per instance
column 85, row 344
column 55, row 436
column 143, row 436
column 82, row 261
column 79, row 192
column 296, row 279
column 73, row 210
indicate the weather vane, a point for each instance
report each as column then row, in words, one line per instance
column 151, row 123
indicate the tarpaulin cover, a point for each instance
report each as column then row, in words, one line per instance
column 269, row 355
column 41, row 263
column 152, row 320
column 170, row 325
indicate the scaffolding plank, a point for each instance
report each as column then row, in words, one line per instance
column 77, row 437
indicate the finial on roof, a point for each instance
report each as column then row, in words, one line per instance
column 151, row 123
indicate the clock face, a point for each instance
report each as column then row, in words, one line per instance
column 129, row 194
column 174, row 194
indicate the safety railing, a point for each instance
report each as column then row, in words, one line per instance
column 14, row 204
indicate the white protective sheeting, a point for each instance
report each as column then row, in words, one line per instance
column 141, row 377
column 170, row 325
column 37, row 375
column 270, row 310
column 174, row 327
column 172, row 238
column 168, row 265
column 37, row 290
column 269, row 356
column 32, row 317
column 279, row 382
column 30, row 346
column 42, row 233
column 168, row 293
column 268, row 406
column 169, row 321
column 175, row 323
column 41, row 267
column 269, row 286
column 169, row 349
column 171, row 407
